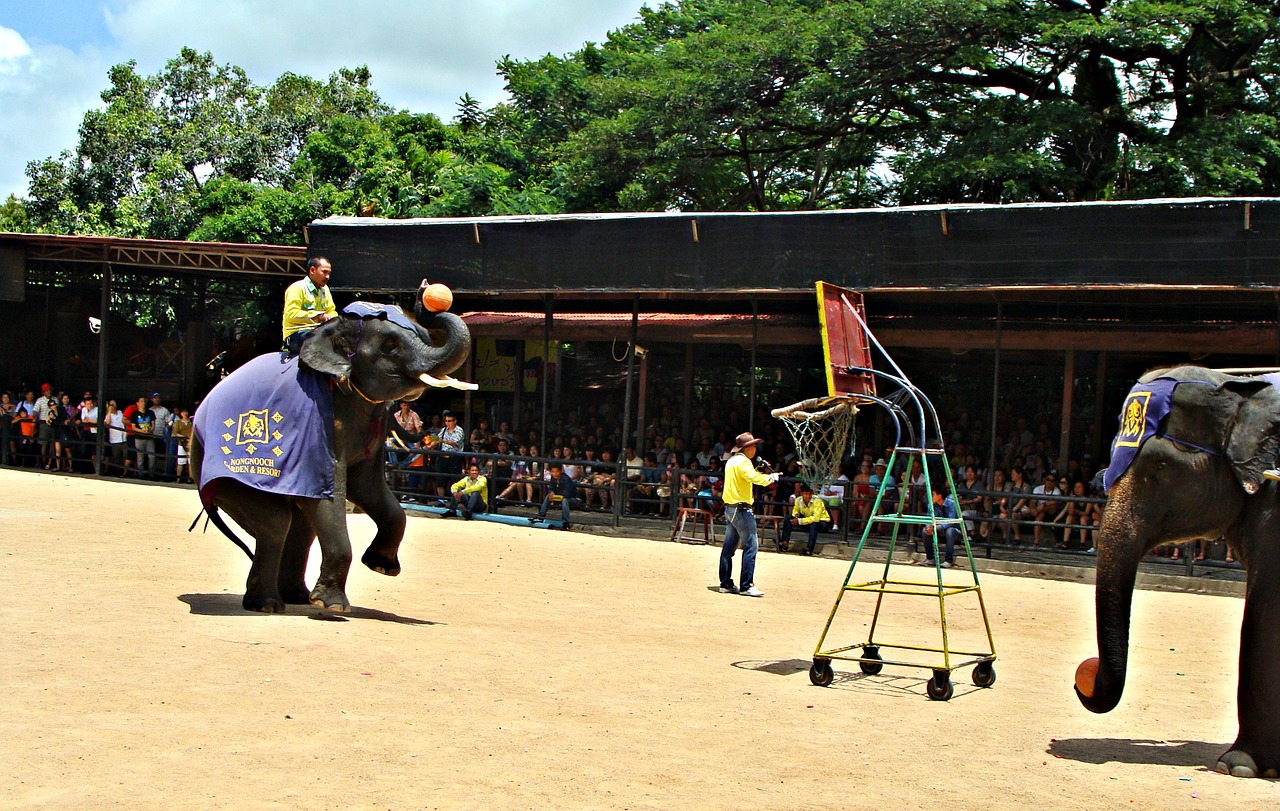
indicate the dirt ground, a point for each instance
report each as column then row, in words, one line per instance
column 522, row 668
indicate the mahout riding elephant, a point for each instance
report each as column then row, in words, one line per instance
column 1188, row 464
column 284, row 442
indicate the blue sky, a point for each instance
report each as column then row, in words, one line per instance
column 423, row 54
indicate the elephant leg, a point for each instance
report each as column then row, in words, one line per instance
column 267, row 518
column 293, row 562
column 367, row 488
column 329, row 518
column 1256, row 752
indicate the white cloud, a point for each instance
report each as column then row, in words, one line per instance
column 423, row 55
column 44, row 93
column 12, row 48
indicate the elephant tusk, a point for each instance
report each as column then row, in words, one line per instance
column 447, row 382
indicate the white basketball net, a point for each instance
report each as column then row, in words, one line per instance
column 821, row 429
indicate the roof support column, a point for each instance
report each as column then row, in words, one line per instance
column 1068, row 394
column 544, row 435
column 995, row 400
column 104, row 313
column 686, row 408
column 755, row 342
column 1099, row 403
column 631, row 376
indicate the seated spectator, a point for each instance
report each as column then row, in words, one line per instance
column 997, row 506
column 1019, row 502
column 602, row 481
column 469, row 494
column 833, row 496
column 481, row 438
column 808, row 512
column 500, row 466
column 1081, row 515
column 1045, row 509
column 561, row 491
column 521, row 483
column 970, row 498
column 941, row 505
column 882, row 479
column 864, row 493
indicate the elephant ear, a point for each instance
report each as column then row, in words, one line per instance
column 1253, row 434
column 330, row 348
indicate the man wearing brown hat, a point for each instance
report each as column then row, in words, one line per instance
column 739, row 475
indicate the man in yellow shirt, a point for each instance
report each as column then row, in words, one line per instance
column 739, row 476
column 808, row 512
column 307, row 304
column 468, row 494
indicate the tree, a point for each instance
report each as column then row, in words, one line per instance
column 724, row 104
column 144, row 160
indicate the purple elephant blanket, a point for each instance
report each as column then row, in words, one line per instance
column 269, row 425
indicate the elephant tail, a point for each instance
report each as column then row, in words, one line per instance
column 212, row 512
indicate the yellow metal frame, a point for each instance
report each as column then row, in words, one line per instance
column 938, row 589
column 923, row 423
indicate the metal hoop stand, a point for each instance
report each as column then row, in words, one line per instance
column 916, row 423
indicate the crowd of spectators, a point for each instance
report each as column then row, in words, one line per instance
column 51, row 431
column 1026, row 501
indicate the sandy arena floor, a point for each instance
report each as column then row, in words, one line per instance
column 519, row 668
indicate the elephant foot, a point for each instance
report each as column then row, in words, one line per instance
column 380, row 562
column 330, row 599
column 266, row 604
column 1241, row 764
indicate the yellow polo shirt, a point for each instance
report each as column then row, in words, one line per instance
column 739, row 475
column 302, row 300
column 466, row 485
column 815, row 512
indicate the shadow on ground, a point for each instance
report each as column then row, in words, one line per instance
column 228, row 605
column 1131, row 750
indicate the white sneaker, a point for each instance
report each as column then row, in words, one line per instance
column 946, row 565
column 751, row 591
column 835, row 527
column 1091, row 551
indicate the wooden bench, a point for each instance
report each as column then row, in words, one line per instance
column 680, row 531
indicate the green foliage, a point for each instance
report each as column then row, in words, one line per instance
column 706, row 105
column 714, row 104
column 13, row 215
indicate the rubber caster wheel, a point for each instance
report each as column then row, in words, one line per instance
column 939, row 687
column 984, row 675
column 871, row 668
column 821, row 673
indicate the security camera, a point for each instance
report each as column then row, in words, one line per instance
column 95, row 325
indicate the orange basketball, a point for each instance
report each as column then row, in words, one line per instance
column 1086, row 675
column 437, row 298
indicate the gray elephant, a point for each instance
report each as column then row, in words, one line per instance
column 283, row 443
column 1188, row 464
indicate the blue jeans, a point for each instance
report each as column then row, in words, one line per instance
column 472, row 502
column 817, row 526
column 546, row 505
column 950, row 535
column 740, row 527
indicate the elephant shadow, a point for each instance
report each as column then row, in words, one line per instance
column 1138, row 750
column 228, row 605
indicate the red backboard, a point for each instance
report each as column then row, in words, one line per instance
column 844, row 340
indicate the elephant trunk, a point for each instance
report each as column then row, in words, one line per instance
column 456, row 347
column 1120, row 548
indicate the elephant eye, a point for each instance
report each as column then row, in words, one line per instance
column 390, row 346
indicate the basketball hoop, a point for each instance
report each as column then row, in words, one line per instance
column 822, row 429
